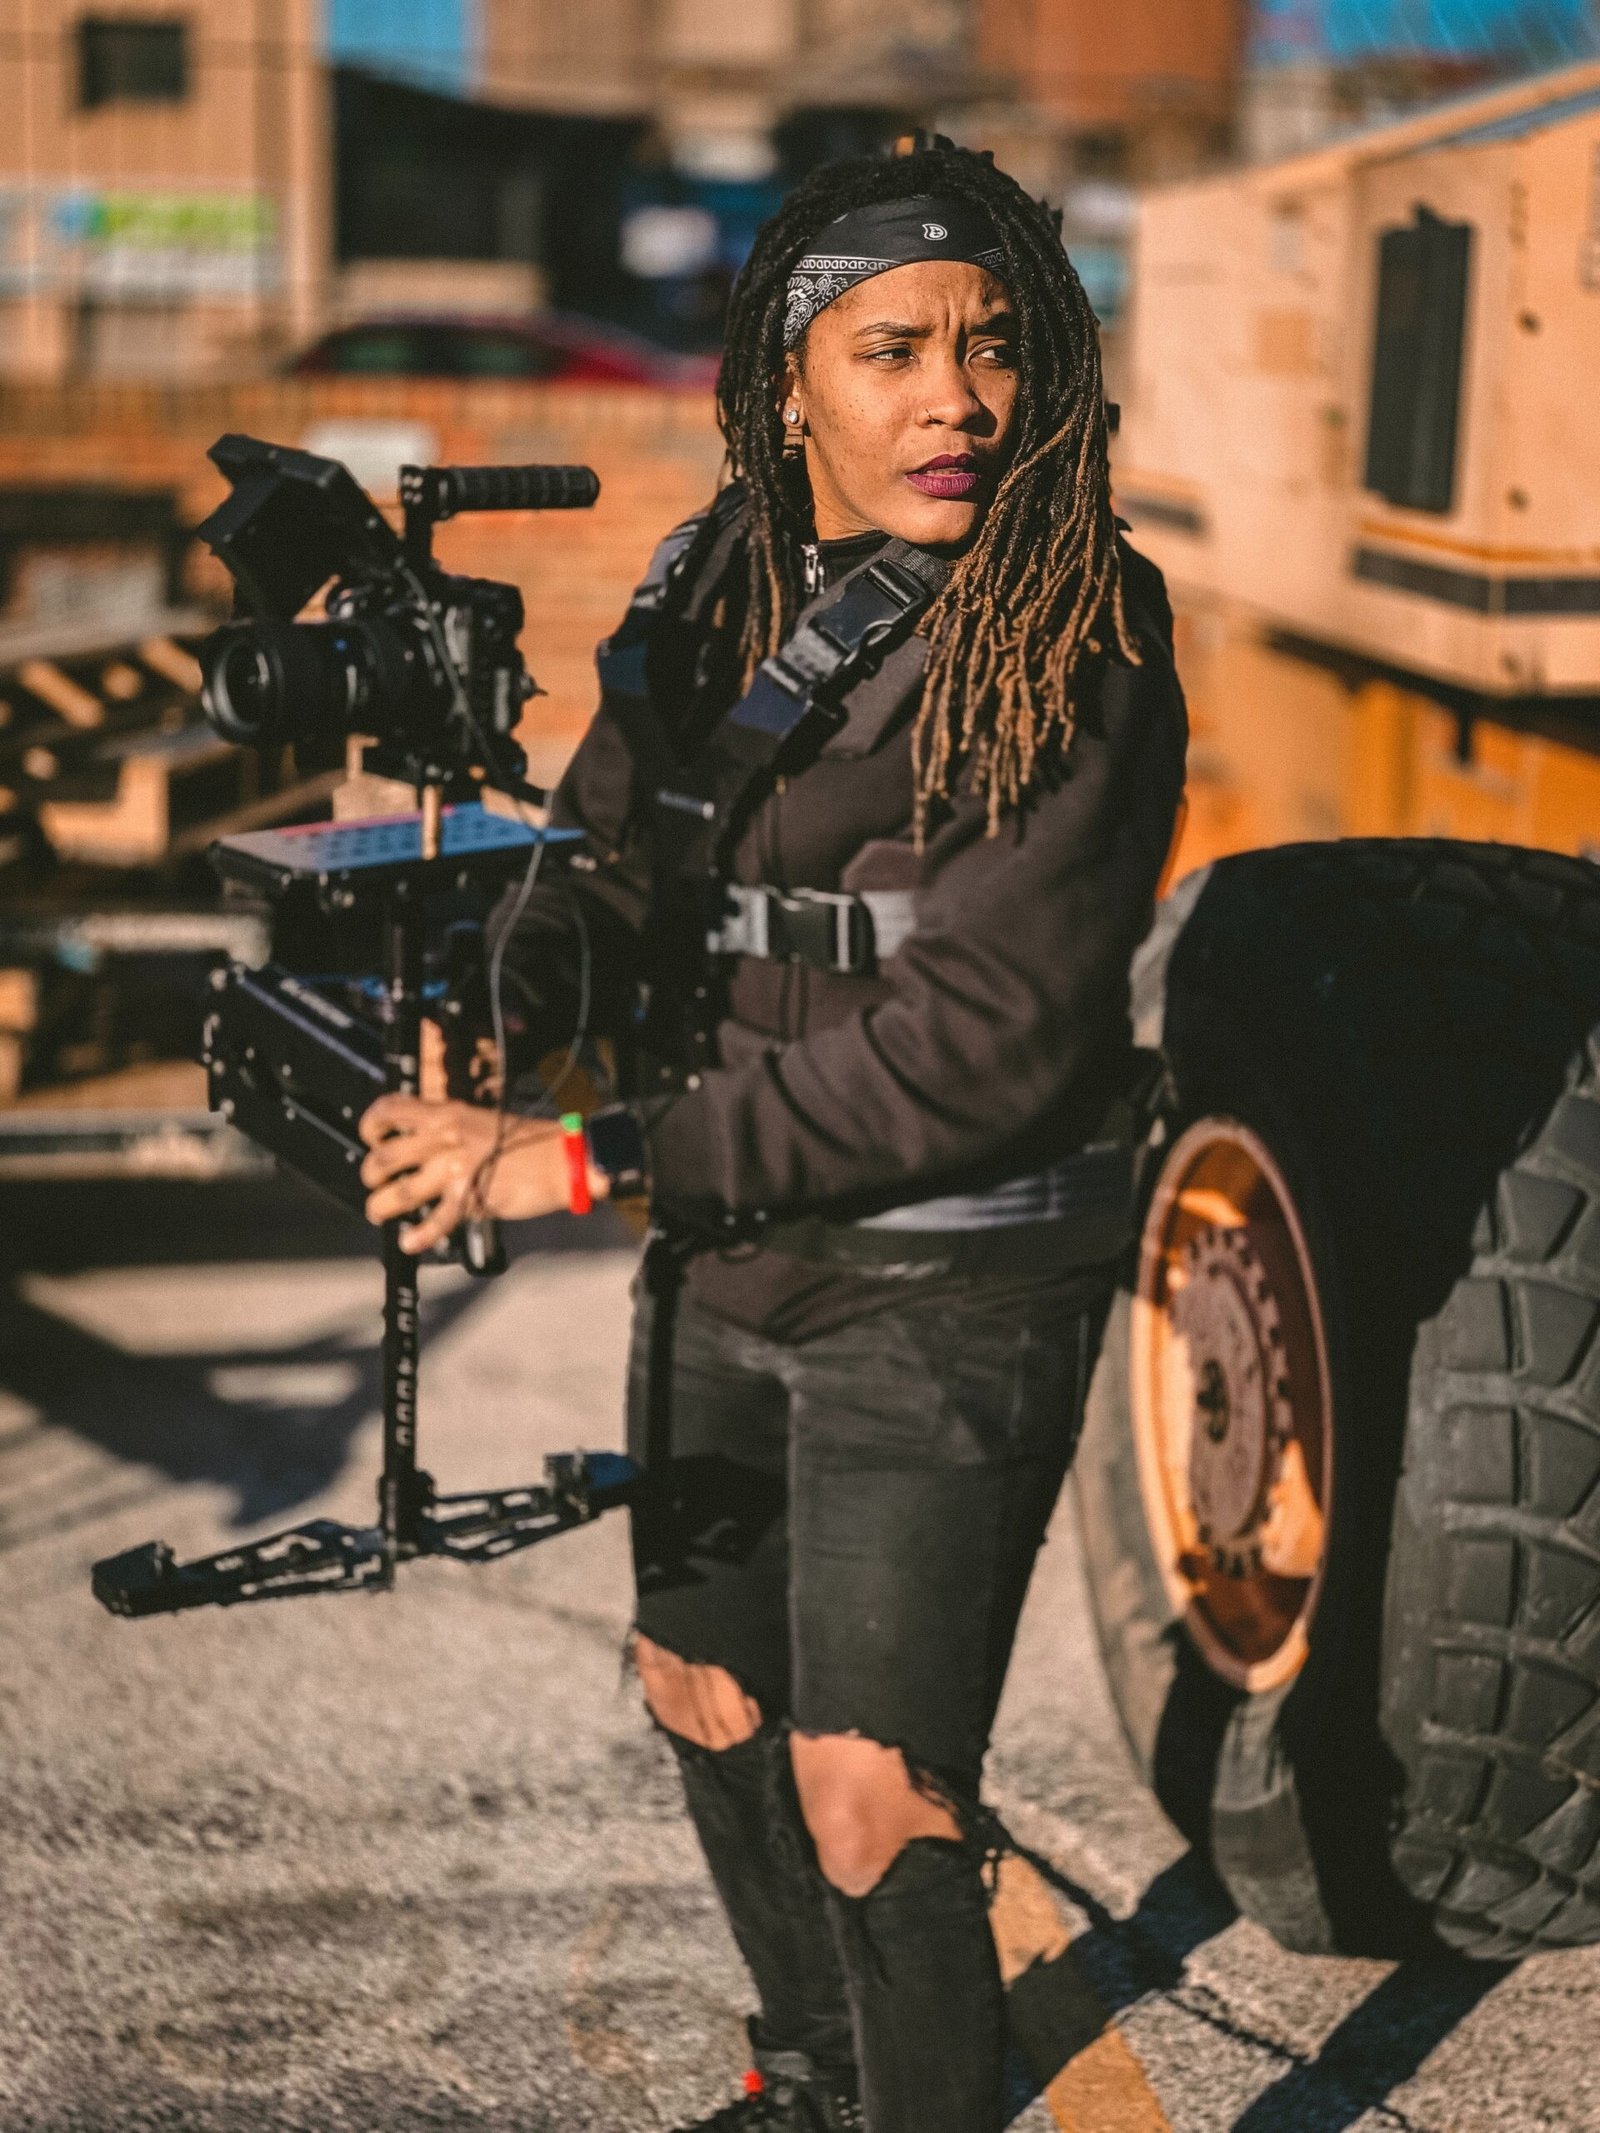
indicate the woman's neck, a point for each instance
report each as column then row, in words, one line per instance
column 835, row 558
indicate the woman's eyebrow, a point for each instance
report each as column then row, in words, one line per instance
column 902, row 329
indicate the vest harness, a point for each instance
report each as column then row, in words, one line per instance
column 1078, row 1210
column 793, row 707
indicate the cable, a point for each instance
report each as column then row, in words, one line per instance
column 459, row 698
column 483, row 1176
column 547, row 1104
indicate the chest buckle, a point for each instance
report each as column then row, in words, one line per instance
column 827, row 930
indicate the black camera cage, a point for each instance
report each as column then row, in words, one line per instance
column 292, row 523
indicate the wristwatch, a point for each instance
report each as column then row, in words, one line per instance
column 616, row 1147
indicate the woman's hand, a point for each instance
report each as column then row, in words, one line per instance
column 442, row 1156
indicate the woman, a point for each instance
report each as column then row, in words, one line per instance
column 883, row 1183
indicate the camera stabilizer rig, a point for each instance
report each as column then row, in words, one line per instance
column 428, row 665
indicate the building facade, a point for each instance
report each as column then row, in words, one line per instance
column 718, row 76
column 1146, row 91
column 163, row 186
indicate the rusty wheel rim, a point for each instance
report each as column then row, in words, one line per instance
column 1232, row 1406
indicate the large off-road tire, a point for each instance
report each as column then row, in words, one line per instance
column 1492, row 1631
column 1340, row 1478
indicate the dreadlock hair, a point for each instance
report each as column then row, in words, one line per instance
column 1040, row 584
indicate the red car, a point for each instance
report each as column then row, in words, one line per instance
column 552, row 346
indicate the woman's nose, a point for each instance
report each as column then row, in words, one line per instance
column 948, row 396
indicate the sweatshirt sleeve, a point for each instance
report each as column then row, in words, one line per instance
column 1014, row 981
column 580, row 928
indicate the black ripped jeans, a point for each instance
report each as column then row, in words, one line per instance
column 847, row 1526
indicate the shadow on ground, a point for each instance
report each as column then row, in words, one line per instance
column 1375, row 2048
column 1059, row 2007
column 71, row 1225
column 275, row 1449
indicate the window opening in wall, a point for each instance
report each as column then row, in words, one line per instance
column 1417, row 347
column 132, row 59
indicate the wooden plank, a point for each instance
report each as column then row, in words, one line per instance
column 306, row 797
column 19, row 1000
column 95, row 636
column 171, row 662
column 79, row 706
column 152, row 1085
column 135, row 827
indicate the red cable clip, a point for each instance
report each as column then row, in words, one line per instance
column 576, row 1144
column 753, row 2083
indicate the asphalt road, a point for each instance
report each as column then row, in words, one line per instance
column 383, row 1864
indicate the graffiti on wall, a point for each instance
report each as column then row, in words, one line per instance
column 138, row 243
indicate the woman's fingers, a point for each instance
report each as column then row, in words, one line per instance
column 443, row 1220
column 419, row 1152
column 395, row 1114
column 401, row 1151
column 439, row 1181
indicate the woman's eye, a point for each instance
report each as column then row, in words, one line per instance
column 899, row 354
column 997, row 352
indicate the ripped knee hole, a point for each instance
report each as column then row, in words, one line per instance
column 698, row 1702
column 863, row 1805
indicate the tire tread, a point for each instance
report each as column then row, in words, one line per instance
column 1513, row 1532
column 1397, row 1015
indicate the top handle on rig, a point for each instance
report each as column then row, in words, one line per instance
column 440, row 492
column 430, row 495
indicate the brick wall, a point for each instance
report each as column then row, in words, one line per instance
column 657, row 455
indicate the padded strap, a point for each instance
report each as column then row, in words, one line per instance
column 622, row 658
column 794, row 705
column 873, row 608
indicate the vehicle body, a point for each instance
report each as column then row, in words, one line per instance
column 1340, row 1480
column 1379, row 522
column 556, row 347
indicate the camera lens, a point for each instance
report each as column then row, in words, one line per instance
column 238, row 692
column 268, row 683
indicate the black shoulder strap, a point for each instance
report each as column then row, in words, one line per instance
column 623, row 657
column 794, row 704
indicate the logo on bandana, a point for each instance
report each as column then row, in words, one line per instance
column 933, row 231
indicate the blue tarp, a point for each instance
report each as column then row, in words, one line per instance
column 426, row 41
column 1513, row 32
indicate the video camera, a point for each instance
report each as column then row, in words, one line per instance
column 425, row 668
column 424, row 662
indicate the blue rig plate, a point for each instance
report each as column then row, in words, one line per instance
column 320, row 851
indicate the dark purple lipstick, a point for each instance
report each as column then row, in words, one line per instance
column 950, row 475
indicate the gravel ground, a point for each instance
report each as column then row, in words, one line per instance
column 417, row 1861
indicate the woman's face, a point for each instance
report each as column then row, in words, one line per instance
column 906, row 392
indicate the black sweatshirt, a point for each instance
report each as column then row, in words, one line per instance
column 993, row 1042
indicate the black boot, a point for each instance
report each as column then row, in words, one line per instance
column 787, row 2092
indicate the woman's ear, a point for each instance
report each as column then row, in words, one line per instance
column 791, row 407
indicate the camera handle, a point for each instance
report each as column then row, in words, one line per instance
column 402, row 1489
column 430, row 495
column 404, row 1492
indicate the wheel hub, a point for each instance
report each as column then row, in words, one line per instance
column 1226, row 1317
column 1231, row 1403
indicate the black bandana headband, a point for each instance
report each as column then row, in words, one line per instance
column 871, row 240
